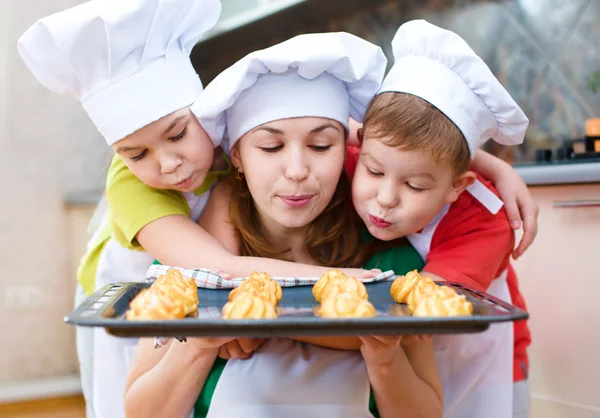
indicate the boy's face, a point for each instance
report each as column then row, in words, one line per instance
column 397, row 193
column 172, row 153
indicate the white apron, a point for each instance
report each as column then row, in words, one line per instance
column 476, row 369
column 112, row 355
column 286, row 378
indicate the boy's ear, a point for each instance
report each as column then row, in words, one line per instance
column 459, row 184
column 235, row 158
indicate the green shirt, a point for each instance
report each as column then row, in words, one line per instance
column 401, row 260
column 133, row 205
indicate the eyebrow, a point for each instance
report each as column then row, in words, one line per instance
column 316, row 130
column 323, row 127
column 126, row 149
column 414, row 173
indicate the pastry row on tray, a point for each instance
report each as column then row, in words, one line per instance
column 172, row 296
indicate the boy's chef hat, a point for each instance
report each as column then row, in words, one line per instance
column 329, row 75
column 439, row 66
column 126, row 61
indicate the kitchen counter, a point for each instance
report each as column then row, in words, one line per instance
column 560, row 173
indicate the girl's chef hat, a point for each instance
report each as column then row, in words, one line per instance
column 126, row 61
column 438, row 66
column 329, row 75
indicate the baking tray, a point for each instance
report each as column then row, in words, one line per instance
column 106, row 308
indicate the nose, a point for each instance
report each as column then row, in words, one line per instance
column 387, row 195
column 297, row 167
column 169, row 163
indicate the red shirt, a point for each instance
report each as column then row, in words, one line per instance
column 472, row 246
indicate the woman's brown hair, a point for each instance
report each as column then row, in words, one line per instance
column 333, row 238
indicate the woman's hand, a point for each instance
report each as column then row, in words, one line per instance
column 379, row 350
column 240, row 348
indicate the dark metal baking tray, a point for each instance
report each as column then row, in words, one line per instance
column 106, row 308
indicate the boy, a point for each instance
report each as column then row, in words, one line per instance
column 437, row 105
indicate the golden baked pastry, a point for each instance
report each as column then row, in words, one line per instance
column 422, row 289
column 346, row 305
column 181, row 290
column 349, row 284
column 444, row 302
column 324, row 281
column 256, row 289
column 152, row 303
column 403, row 285
column 248, row 305
column 259, row 280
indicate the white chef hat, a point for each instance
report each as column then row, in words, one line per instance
column 439, row 66
column 126, row 61
column 329, row 75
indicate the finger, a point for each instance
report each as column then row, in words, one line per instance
column 249, row 345
column 388, row 339
column 530, row 228
column 369, row 274
column 224, row 275
column 512, row 212
column 223, row 353
column 235, row 351
column 368, row 340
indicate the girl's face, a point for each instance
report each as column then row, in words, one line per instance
column 172, row 153
column 292, row 167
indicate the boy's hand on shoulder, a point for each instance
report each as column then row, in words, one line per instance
column 521, row 209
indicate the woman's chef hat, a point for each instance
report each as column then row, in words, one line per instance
column 328, row 75
column 439, row 66
column 126, row 61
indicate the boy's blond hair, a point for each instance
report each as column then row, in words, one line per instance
column 409, row 123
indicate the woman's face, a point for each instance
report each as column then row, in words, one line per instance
column 292, row 167
column 172, row 153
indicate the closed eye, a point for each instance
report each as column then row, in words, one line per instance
column 179, row 136
column 373, row 172
column 139, row 156
column 416, row 189
column 271, row 149
column 320, row 148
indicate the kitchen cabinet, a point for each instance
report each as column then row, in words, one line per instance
column 560, row 279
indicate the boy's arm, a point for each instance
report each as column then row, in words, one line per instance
column 518, row 202
column 470, row 246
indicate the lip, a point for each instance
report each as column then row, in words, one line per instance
column 378, row 222
column 184, row 184
column 297, row 201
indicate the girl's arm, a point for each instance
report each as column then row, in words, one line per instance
column 167, row 382
column 176, row 240
column 403, row 378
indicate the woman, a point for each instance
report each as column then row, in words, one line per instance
column 290, row 201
